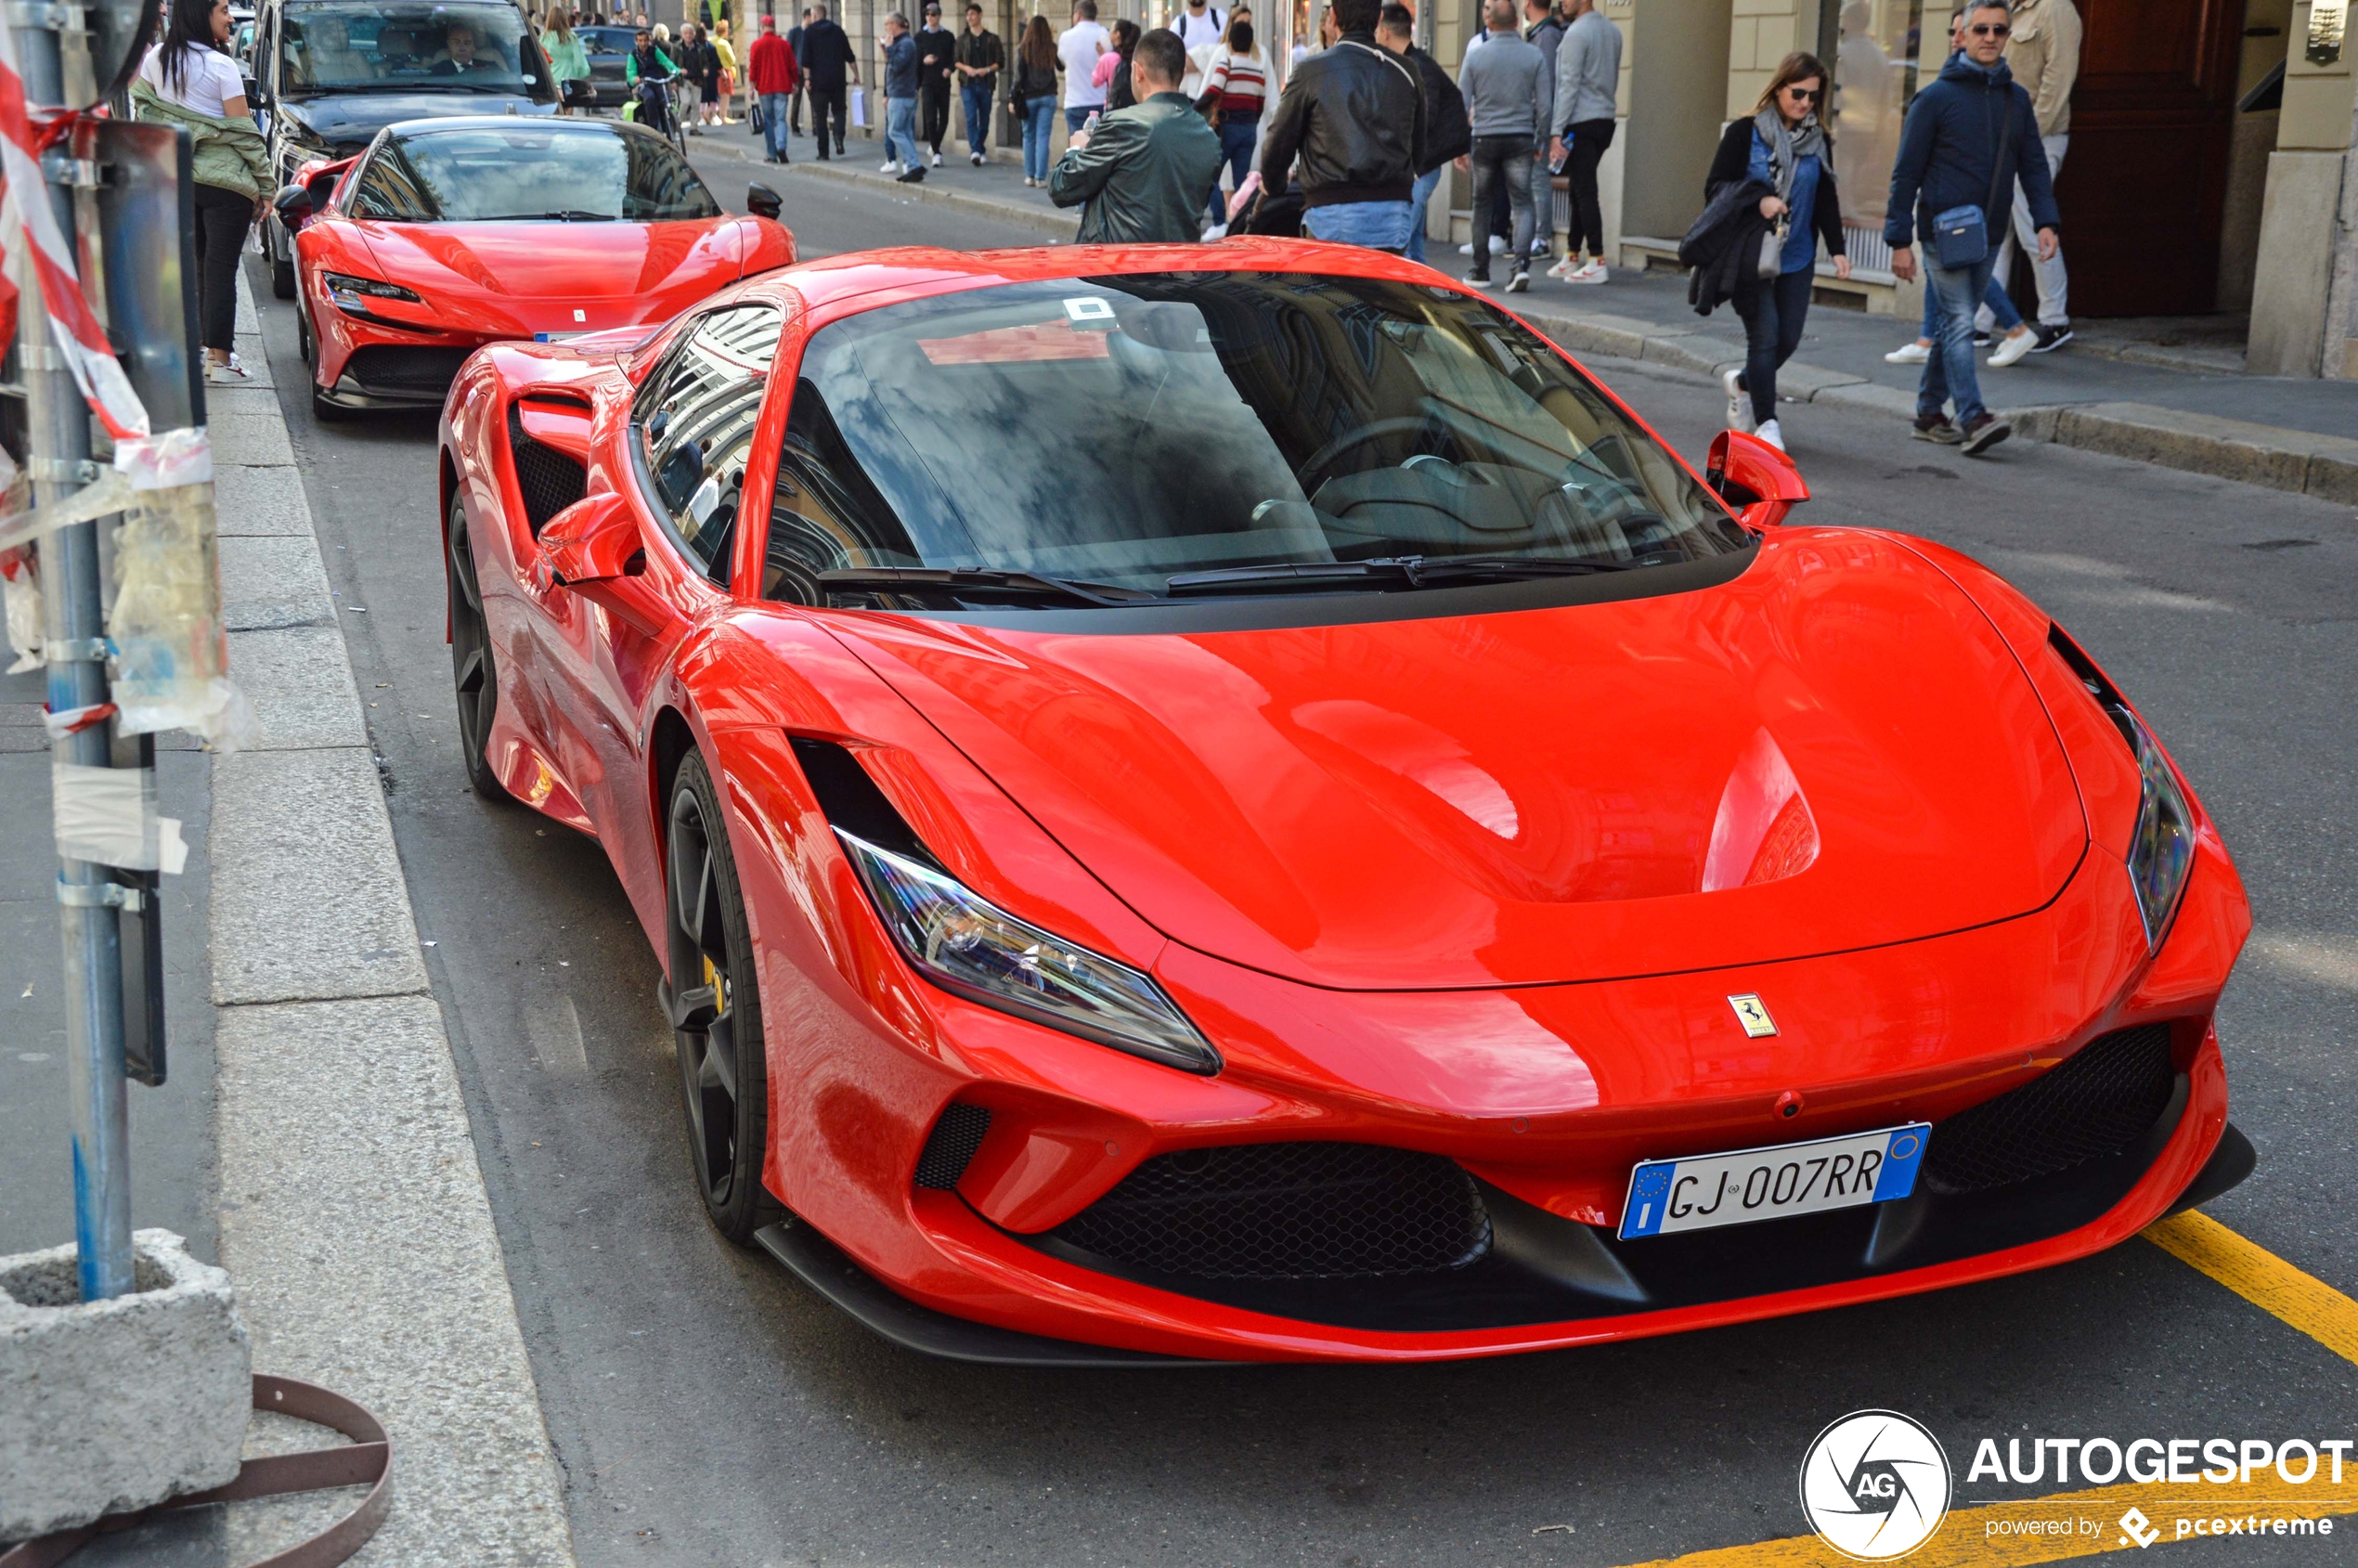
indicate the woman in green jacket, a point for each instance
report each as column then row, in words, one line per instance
column 568, row 56
column 190, row 79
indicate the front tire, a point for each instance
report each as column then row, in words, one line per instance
column 475, row 674
column 303, row 333
column 716, row 1010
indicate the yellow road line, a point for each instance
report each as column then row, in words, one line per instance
column 2261, row 1277
column 1978, row 1537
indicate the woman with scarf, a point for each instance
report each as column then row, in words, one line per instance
column 1781, row 146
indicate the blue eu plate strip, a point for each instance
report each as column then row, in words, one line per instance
column 1900, row 1159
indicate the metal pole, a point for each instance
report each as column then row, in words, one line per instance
column 59, row 426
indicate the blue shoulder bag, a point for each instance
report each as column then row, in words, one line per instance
column 1961, row 236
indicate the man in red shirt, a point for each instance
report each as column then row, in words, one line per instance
column 771, row 66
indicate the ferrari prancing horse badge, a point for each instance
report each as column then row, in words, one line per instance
column 1753, row 1016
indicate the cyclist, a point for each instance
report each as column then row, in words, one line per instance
column 647, row 69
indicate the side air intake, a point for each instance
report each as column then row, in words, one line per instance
column 951, row 1147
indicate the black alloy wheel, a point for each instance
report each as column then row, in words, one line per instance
column 475, row 674
column 283, row 273
column 302, row 331
column 716, row 1010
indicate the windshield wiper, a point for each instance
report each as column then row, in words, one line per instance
column 1392, row 570
column 575, row 214
column 932, row 582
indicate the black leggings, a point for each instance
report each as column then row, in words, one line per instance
column 1586, row 231
column 1773, row 314
column 222, row 219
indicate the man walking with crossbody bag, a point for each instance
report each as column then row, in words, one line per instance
column 1968, row 137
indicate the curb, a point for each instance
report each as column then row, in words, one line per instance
column 354, row 1219
column 2270, row 455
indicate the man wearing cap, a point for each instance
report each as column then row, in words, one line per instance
column 937, row 57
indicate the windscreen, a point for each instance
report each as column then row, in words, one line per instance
column 1125, row 430
column 531, row 170
column 344, row 49
column 606, row 40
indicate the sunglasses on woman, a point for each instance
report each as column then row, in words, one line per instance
column 1804, row 95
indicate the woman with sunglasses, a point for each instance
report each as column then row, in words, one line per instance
column 1783, row 147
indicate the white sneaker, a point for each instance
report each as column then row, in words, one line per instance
column 975, row 159
column 1739, row 400
column 1497, row 245
column 231, row 374
column 937, row 159
column 891, row 166
column 1564, row 267
column 1593, row 273
column 2014, row 346
column 1217, row 231
column 1909, row 353
column 1466, row 249
column 1772, row 435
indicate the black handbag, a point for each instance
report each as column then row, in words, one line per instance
column 1961, row 235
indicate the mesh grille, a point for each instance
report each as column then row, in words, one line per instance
column 1310, row 1211
column 2100, row 1102
column 550, row 481
column 393, row 369
column 955, row 1138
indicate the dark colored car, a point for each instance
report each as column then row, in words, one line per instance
column 608, row 48
column 331, row 74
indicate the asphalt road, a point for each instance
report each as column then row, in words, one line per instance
column 707, row 1409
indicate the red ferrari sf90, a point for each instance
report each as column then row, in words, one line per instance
column 448, row 234
column 1230, row 802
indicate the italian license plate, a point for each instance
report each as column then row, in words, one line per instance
column 1668, row 1196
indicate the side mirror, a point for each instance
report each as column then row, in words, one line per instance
column 763, row 202
column 576, row 92
column 293, row 205
column 1758, row 481
column 593, row 541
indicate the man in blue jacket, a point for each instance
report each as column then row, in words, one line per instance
column 1948, row 153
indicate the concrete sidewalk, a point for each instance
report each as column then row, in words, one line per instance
column 352, row 1216
column 2125, row 397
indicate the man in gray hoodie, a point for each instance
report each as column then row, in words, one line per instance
column 1510, row 98
column 1587, row 87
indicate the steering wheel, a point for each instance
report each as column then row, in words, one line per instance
column 1325, row 456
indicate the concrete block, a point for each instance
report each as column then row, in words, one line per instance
column 248, row 437
column 2334, row 477
column 1804, row 381
column 307, row 894
column 301, row 686
column 1872, row 396
column 107, row 1407
column 1596, row 332
column 273, row 581
column 2295, row 269
column 259, row 501
column 2197, row 442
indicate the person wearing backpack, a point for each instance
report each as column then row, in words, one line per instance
column 1449, row 130
column 1968, row 137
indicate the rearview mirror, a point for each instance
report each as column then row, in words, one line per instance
column 1756, row 480
column 293, row 205
column 762, row 201
column 593, row 541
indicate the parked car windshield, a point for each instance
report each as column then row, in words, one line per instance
column 606, row 40
column 527, row 169
column 1122, row 430
column 341, row 48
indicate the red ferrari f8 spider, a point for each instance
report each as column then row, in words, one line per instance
column 448, row 234
column 1228, row 801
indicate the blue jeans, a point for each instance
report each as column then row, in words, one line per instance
column 977, row 100
column 1077, row 115
column 1238, row 139
column 900, row 131
column 774, row 109
column 1951, row 373
column 1418, row 200
column 1773, row 312
column 2000, row 303
column 1039, row 125
column 1380, row 226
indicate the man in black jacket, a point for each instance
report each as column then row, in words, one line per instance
column 1353, row 119
column 1448, row 133
column 937, row 51
column 827, row 63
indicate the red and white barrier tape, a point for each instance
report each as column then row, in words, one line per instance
column 24, row 133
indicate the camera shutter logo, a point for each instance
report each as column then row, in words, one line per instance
column 1875, row 1486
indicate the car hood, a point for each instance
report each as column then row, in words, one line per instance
column 1835, row 750
column 517, row 274
column 350, row 120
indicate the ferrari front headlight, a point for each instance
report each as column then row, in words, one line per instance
column 355, row 292
column 2162, row 849
column 966, row 944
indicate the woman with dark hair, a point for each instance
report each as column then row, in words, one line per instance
column 190, row 79
column 1783, row 147
column 1032, row 97
column 1119, row 94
